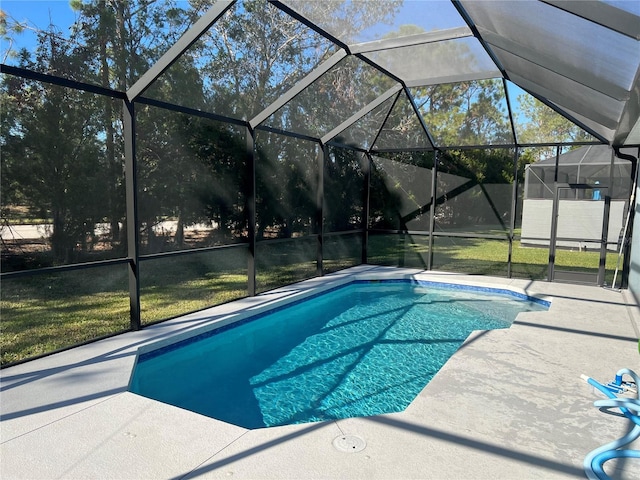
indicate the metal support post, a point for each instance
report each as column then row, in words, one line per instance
column 133, row 236
column 514, row 209
column 250, row 196
column 322, row 154
column 432, row 209
column 366, row 167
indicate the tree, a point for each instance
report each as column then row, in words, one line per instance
column 540, row 124
column 243, row 64
column 400, row 188
column 343, row 190
column 474, row 188
column 220, row 190
column 52, row 159
column 465, row 113
column 286, row 185
column 121, row 40
column 254, row 55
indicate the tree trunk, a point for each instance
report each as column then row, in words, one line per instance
column 179, row 238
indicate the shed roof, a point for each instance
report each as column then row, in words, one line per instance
column 586, row 155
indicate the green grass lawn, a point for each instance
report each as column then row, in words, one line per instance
column 477, row 256
column 47, row 312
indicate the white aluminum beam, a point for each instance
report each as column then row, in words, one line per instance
column 411, row 40
column 189, row 38
column 602, row 13
column 298, row 87
column 454, row 78
column 361, row 113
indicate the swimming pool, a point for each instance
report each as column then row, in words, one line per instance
column 364, row 348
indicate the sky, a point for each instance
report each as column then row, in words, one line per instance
column 35, row 14
column 39, row 12
column 439, row 15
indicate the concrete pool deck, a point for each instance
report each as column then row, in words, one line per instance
column 509, row 404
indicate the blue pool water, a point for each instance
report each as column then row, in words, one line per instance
column 362, row 349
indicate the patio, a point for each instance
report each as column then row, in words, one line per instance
column 509, row 404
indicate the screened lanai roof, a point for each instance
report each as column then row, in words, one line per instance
column 369, row 73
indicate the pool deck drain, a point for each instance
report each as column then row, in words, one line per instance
column 509, row 404
column 349, row 443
